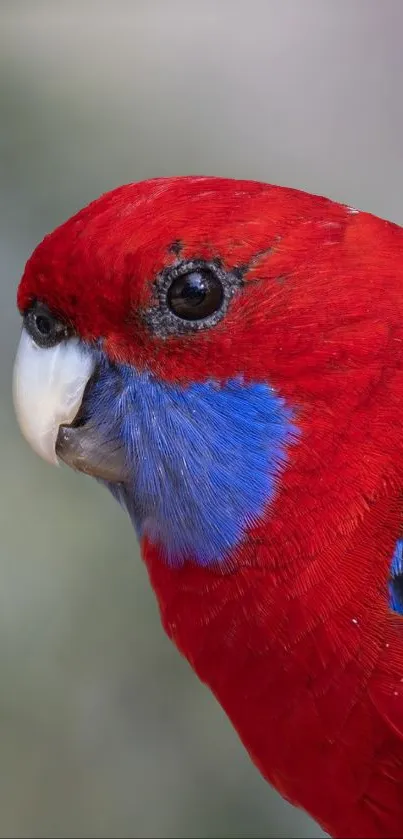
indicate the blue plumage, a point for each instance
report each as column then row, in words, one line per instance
column 396, row 579
column 202, row 459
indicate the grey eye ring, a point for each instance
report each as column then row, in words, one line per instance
column 191, row 295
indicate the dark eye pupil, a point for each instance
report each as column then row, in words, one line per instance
column 195, row 288
column 195, row 295
column 44, row 325
column 45, row 329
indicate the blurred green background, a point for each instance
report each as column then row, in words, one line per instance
column 104, row 730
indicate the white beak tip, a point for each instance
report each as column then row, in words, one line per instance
column 48, row 387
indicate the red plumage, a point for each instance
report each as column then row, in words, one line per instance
column 296, row 639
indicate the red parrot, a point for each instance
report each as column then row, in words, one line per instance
column 227, row 358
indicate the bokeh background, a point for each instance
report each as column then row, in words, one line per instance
column 104, row 730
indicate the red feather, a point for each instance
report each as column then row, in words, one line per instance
column 296, row 640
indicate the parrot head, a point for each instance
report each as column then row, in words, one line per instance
column 143, row 358
column 176, row 336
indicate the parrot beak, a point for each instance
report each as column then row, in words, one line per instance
column 48, row 388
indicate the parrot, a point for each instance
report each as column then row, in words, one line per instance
column 226, row 357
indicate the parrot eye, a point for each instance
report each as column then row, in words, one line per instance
column 43, row 327
column 192, row 295
column 196, row 294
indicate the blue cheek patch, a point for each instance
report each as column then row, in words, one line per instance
column 396, row 579
column 203, row 460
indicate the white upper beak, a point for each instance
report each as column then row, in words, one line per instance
column 48, row 387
